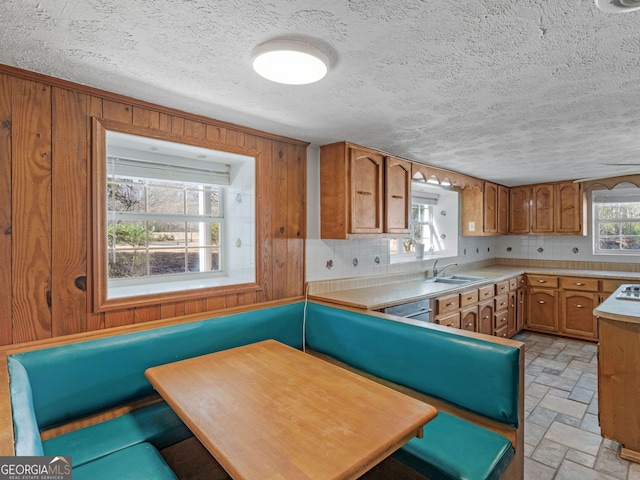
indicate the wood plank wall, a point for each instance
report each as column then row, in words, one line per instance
column 45, row 145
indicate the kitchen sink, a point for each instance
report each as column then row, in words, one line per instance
column 455, row 279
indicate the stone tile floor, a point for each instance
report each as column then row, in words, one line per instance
column 562, row 436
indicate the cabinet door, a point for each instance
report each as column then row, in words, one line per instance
column 513, row 304
column 469, row 318
column 576, row 314
column 543, row 310
column 521, row 306
column 490, row 197
column 485, row 317
column 519, row 213
column 569, row 213
column 366, row 171
column 397, row 195
column 503, row 210
column 542, row 214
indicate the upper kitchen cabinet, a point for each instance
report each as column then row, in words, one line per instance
column 547, row 209
column 362, row 191
column 569, row 209
column 503, row 210
column 542, row 208
column 484, row 210
column 397, row 193
column 519, row 209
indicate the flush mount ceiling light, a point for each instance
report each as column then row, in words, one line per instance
column 618, row 6
column 289, row 62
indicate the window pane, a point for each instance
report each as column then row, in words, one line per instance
column 630, row 242
column 165, row 199
column 608, row 228
column 127, row 262
column 125, row 195
column 166, row 262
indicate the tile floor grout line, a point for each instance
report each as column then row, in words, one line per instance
column 565, row 443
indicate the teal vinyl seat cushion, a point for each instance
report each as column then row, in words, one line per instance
column 138, row 462
column 453, row 448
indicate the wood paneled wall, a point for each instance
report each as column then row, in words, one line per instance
column 45, row 145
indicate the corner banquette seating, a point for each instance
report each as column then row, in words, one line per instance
column 87, row 396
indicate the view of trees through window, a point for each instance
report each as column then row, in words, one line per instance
column 617, row 227
column 159, row 227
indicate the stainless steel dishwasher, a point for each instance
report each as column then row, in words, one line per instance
column 418, row 310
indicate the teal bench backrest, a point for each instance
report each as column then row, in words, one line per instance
column 476, row 375
column 74, row 380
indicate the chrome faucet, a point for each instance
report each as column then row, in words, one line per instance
column 436, row 271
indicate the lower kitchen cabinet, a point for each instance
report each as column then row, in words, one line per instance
column 469, row 318
column 452, row 320
column 576, row 317
column 485, row 317
column 543, row 310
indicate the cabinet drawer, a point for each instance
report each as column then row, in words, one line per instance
column 581, row 284
column 545, row 281
column 502, row 287
column 502, row 332
column 610, row 285
column 469, row 297
column 513, row 283
column 522, row 281
column 447, row 304
column 452, row 320
column 486, row 292
column 501, row 319
column 501, row 302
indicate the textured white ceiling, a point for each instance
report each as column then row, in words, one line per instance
column 512, row 91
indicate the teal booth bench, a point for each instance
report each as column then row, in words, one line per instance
column 474, row 381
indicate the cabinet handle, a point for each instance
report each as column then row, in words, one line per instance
column 542, row 281
column 578, row 306
column 360, row 192
column 540, row 301
column 397, row 196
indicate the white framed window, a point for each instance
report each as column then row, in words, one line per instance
column 171, row 220
column 433, row 223
column 616, row 221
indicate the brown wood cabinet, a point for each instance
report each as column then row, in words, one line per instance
column 503, row 210
column 484, row 212
column 564, row 305
column 519, row 210
column 362, row 191
column 490, row 309
column 542, row 212
column 547, row 209
column 397, row 205
column 619, row 384
column 485, row 317
column 542, row 298
column 569, row 209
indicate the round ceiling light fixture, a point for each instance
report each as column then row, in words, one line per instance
column 618, row 6
column 289, row 62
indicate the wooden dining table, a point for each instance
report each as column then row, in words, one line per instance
column 270, row 411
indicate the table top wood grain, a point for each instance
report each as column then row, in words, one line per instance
column 269, row 411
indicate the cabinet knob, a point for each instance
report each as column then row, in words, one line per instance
column 486, row 316
column 541, row 301
column 542, row 281
column 448, row 304
column 450, row 325
column 470, row 298
column 469, row 324
column 579, row 284
column 504, row 334
column 578, row 306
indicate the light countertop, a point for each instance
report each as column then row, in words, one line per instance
column 378, row 297
column 623, row 310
